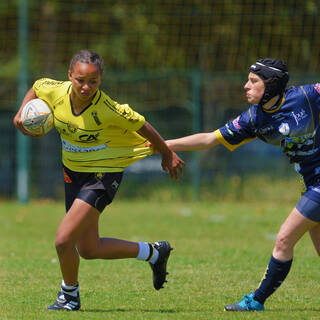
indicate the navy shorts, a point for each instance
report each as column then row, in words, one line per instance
column 97, row 189
column 309, row 204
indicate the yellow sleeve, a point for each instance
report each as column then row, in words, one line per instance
column 50, row 90
column 124, row 116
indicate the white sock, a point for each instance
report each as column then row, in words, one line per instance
column 70, row 290
column 144, row 251
column 147, row 252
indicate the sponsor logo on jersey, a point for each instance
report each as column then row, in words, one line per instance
column 298, row 116
column 71, row 147
column 236, row 123
column 122, row 110
column 88, row 137
column 99, row 175
column 45, row 82
column 72, row 127
column 115, row 185
column 284, row 129
column 229, row 130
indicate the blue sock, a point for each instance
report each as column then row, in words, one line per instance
column 276, row 273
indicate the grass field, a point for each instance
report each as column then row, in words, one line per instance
column 220, row 252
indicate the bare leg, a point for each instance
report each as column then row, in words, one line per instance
column 294, row 227
column 91, row 246
column 80, row 228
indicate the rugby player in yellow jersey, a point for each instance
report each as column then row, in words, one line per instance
column 100, row 138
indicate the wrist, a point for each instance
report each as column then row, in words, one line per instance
column 166, row 152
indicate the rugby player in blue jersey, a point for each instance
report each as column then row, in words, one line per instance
column 289, row 119
column 100, row 138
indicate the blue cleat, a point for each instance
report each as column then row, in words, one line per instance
column 247, row 304
column 66, row 302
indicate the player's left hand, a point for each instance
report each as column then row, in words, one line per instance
column 172, row 163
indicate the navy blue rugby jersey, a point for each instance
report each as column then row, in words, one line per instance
column 293, row 126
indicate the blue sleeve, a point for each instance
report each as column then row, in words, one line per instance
column 238, row 131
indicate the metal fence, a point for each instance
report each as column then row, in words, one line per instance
column 181, row 63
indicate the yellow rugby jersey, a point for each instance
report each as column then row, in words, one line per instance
column 102, row 138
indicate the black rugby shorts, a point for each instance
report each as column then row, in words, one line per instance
column 97, row 189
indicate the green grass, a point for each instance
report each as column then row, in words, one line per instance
column 221, row 250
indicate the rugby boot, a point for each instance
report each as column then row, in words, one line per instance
column 159, row 269
column 66, row 302
column 248, row 303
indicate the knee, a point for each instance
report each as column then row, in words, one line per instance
column 87, row 253
column 63, row 242
column 282, row 243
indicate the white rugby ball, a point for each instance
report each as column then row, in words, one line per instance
column 37, row 117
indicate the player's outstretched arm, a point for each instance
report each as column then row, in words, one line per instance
column 170, row 160
column 198, row 141
column 17, row 119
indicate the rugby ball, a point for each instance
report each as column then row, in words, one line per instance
column 37, row 117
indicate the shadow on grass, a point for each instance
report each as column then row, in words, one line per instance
column 164, row 311
column 293, row 310
column 132, row 310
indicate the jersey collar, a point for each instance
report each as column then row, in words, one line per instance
column 276, row 107
column 94, row 101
